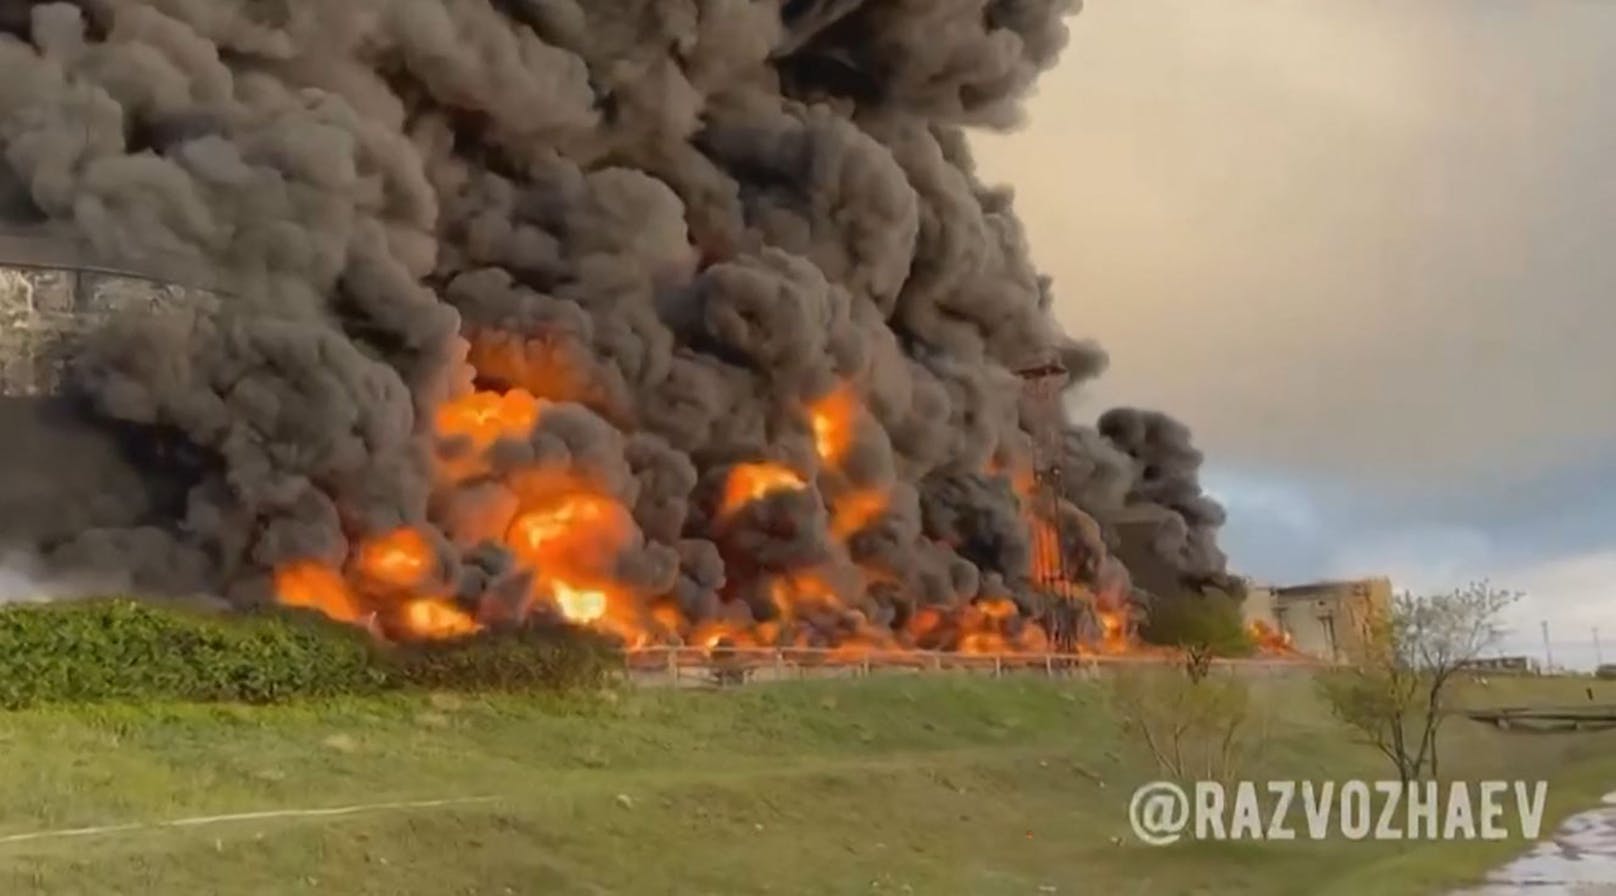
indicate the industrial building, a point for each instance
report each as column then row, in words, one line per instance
column 57, row 298
column 1325, row 620
column 55, row 294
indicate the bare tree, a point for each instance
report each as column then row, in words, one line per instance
column 1196, row 721
column 1394, row 689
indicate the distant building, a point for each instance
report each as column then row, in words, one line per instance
column 58, row 301
column 1258, row 606
column 1326, row 620
column 1501, row 664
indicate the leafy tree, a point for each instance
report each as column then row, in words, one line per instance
column 1206, row 621
column 1394, row 688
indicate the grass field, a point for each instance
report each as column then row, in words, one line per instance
column 887, row 785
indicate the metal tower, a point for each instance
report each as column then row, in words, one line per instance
column 1053, row 574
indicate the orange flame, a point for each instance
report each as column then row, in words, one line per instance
column 857, row 510
column 833, row 417
column 754, row 482
column 570, row 540
column 716, row 634
column 313, row 585
column 533, row 366
column 400, row 559
column 571, row 519
column 569, row 535
column 486, row 417
column 578, row 605
column 800, row 592
column 481, row 419
column 431, row 617
column 1270, row 640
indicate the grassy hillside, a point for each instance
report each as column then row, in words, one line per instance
column 896, row 785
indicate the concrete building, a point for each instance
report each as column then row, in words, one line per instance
column 55, row 295
column 1327, row 620
column 1258, row 606
column 57, row 300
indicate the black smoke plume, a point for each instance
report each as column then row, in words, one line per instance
column 705, row 213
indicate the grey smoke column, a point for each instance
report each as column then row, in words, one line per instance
column 1165, row 499
column 707, row 212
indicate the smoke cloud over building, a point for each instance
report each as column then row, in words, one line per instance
column 686, row 319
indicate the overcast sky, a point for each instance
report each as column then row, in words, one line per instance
column 1368, row 252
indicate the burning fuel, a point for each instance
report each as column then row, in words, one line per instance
column 687, row 321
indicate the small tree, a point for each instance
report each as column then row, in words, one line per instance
column 1394, row 689
column 1197, row 722
column 1210, row 620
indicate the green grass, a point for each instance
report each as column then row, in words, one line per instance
column 888, row 785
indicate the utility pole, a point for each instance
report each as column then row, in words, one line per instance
column 1599, row 655
column 1548, row 652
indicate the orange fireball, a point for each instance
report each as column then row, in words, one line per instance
column 315, row 586
column 754, row 482
column 400, row 559
column 833, row 418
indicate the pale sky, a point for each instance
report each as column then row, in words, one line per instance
column 1367, row 251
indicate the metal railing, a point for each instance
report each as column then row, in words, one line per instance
column 701, row 666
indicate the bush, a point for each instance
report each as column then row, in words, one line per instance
column 128, row 650
column 524, row 659
column 1212, row 621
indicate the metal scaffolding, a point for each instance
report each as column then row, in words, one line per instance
column 1065, row 612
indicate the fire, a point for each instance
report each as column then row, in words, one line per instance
column 754, row 482
column 578, row 605
column 486, row 417
column 480, row 419
column 1270, row 640
column 1113, row 631
column 997, row 609
column 570, row 537
column 568, row 534
column 801, row 592
column 532, row 366
column 569, row 519
column 429, row 617
column 718, row 634
column 400, row 559
column 857, row 510
column 833, row 418
column 314, row 586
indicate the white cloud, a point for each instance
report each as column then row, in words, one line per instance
column 1274, row 500
column 1574, row 594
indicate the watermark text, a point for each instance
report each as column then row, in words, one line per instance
column 1164, row 812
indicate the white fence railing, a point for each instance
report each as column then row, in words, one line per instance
column 734, row 665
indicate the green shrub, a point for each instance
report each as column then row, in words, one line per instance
column 1212, row 620
column 127, row 650
column 523, row 659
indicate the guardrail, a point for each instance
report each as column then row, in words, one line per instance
column 701, row 666
column 1547, row 719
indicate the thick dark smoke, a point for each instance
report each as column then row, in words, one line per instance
column 1165, row 490
column 697, row 215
